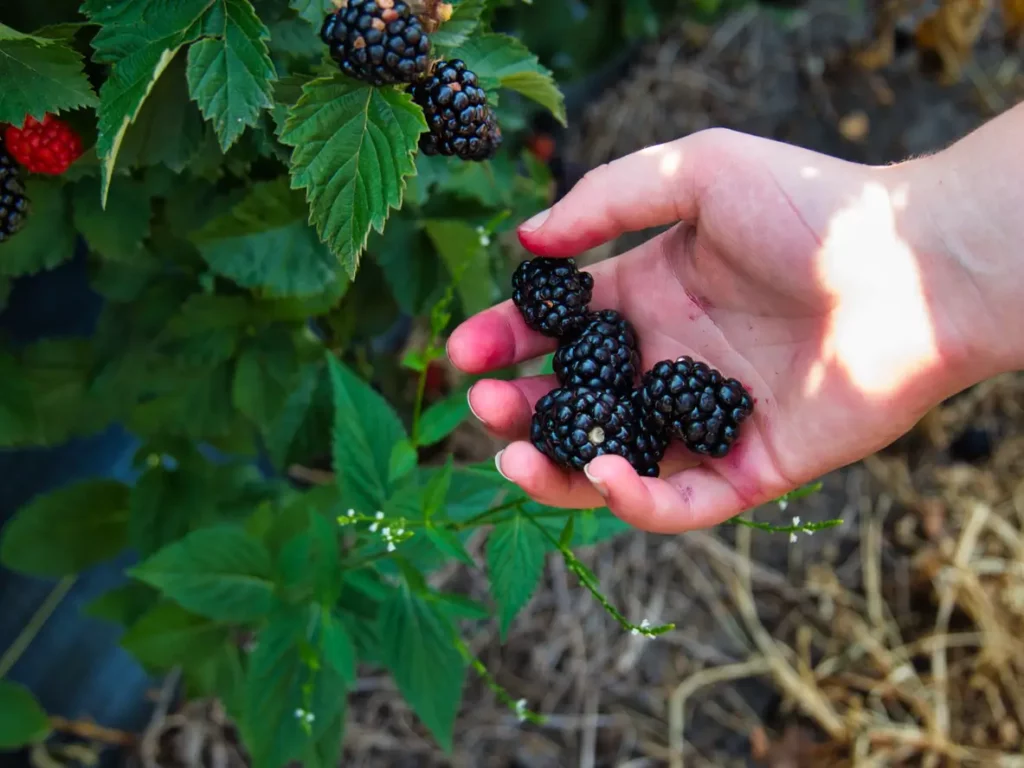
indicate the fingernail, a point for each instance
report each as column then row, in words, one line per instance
column 469, row 401
column 536, row 222
column 598, row 484
column 497, row 464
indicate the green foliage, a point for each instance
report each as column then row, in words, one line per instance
column 264, row 231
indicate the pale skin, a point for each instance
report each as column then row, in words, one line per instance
column 848, row 299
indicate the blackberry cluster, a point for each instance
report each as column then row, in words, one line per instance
column 14, row 205
column 694, row 403
column 380, row 42
column 599, row 407
column 461, row 122
column 552, row 295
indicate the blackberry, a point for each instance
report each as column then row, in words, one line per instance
column 695, row 404
column 461, row 122
column 573, row 426
column 552, row 295
column 603, row 356
column 380, row 42
column 14, row 205
column 651, row 442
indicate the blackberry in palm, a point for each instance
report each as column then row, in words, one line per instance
column 603, row 356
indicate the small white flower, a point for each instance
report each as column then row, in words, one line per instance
column 310, row 717
column 792, row 538
column 796, row 520
column 521, row 710
column 485, row 240
column 400, row 532
column 373, row 527
column 386, row 532
column 379, row 515
column 300, row 714
column 645, row 624
column 783, row 503
column 351, row 513
column 391, row 546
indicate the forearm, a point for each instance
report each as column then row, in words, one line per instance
column 974, row 192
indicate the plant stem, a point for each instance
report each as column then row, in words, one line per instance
column 42, row 614
column 417, row 413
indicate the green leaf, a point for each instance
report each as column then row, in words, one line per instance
column 436, row 490
column 402, row 462
column 217, row 572
column 230, row 75
column 441, row 419
column 366, row 429
column 310, row 563
column 515, row 562
column 265, row 374
column 464, row 21
column 354, row 147
column 312, row 11
column 410, row 266
column 282, row 433
column 122, row 605
column 22, row 720
column 464, row 254
column 167, row 634
column 265, row 242
column 339, row 651
column 140, row 38
column 118, row 232
column 448, row 543
column 417, row 646
column 47, row 238
column 67, row 530
column 166, row 504
column 505, row 60
column 285, row 674
column 39, row 75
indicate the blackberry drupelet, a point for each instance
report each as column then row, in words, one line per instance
column 695, row 404
column 14, row 205
column 650, row 441
column 552, row 295
column 461, row 122
column 380, row 42
column 603, row 356
column 573, row 426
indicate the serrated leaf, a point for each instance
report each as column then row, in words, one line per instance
column 441, row 419
column 312, row 11
column 39, row 75
column 464, row 21
column 417, row 647
column 505, row 60
column 218, row 572
column 47, row 238
column 515, row 562
column 403, row 461
column 339, row 651
column 167, row 634
column 265, row 242
column 310, row 562
column 230, row 75
column 436, row 490
column 282, row 433
column 366, row 429
column 22, row 720
column 459, row 246
column 354, row 147
column 139, row 38
column 278, row 671
column 68, row 530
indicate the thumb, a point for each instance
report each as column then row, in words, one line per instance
column 654, row 187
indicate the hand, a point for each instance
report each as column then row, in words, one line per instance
column 814, row 281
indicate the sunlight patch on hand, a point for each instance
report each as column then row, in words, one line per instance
column 882, row 332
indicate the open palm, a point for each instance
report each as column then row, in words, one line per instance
column 798, row 274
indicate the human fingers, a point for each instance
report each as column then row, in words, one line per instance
column 506, row 407
column 656, row 186
column 498, row 337
column 692, row 499
column 543, row 481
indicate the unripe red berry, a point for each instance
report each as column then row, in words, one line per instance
column 49, row 147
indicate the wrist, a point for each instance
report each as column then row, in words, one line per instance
column 966, row 204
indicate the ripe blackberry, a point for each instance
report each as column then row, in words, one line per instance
column 573, row 426
column 552, row 295
column 651, row 442
column 461, row 122
column 696, row 404
column 603, row 356
column 380, row 42
column 14, row 205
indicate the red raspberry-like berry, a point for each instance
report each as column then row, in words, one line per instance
column 48, row 147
